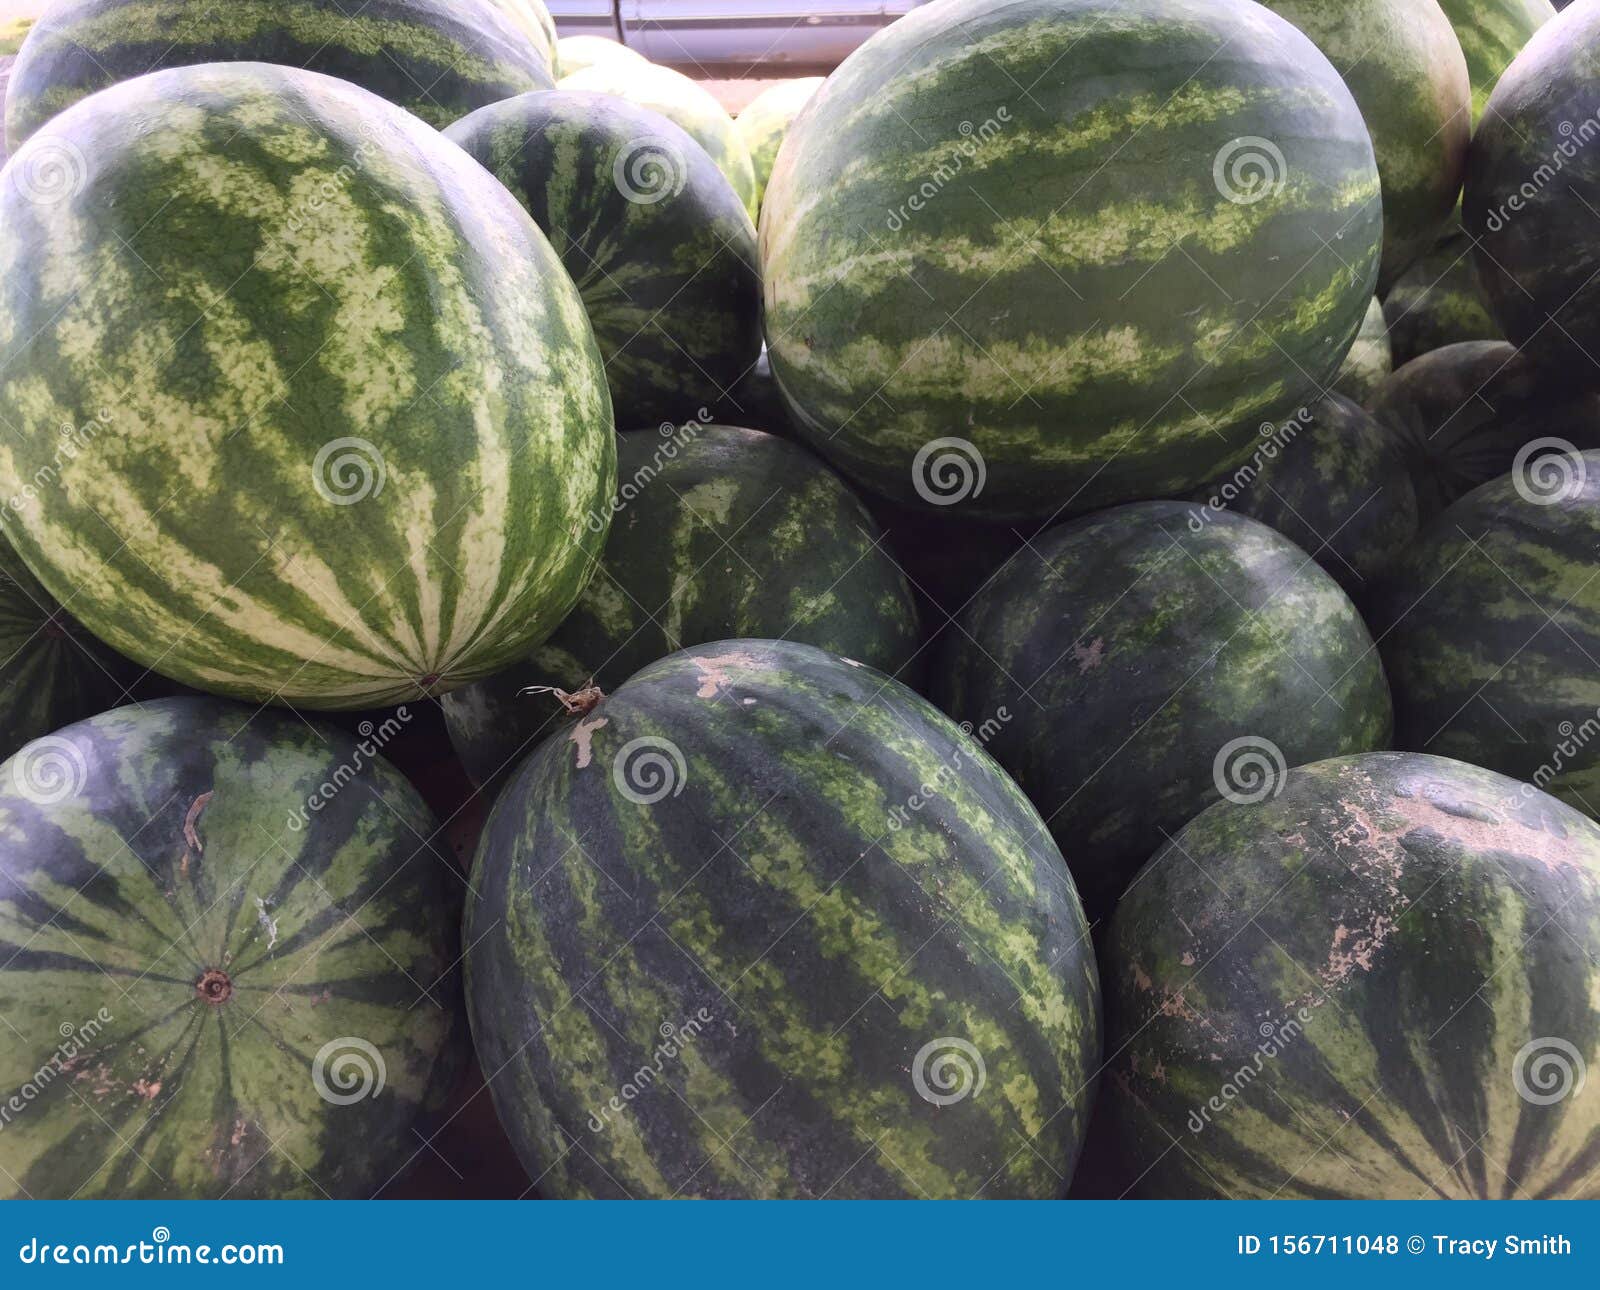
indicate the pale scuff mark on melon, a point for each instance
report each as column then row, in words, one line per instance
column 267, row 922
column 583, row 735
column 1354, row 950
column 1090, row 656
column 189, row 834
column 714, row 671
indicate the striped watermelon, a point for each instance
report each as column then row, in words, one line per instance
column 765, row 120
column 1462, row 413
column 812, row 908
column 227, row 956
column 437, row 58
column 658, row 244
column 1333, row 480
column 1404, row 65
column 676, row 97
column 1533, row 175
column 532, row 19
column 1381, row 985
column 1370, row 358
column 1149, row 654
column 52, row 672
column 947, row 259
column 1439, row 301
column 1490, row 628
column 1492, row 33
column 719, row 532
column 299, row 488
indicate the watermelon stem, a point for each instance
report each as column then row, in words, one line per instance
column 214, row 986
column 578, row 704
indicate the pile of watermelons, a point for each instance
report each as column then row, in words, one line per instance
column 1066, row 664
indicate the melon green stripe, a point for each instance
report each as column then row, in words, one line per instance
column 1492, row 33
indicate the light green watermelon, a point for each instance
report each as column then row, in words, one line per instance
column 765, row 120
column 355, row 418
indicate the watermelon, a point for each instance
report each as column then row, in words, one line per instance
column 813, row 909
column 1380, row 986
column 281, row 939
column 765, row 120
column 575, row 53
column 1492, row 33
column 1462, row 413
column 436, row 58
column 1439, row 301
column 1149, row 656
column 1489, row 627
column 718, row 532
column 301, row 491
column 532, row 19
column 949, row 264
column 676, row 97
column 1334, row 481
column 1369, row 360
column 52, row 672
column 658, row 244
column 1532, row 177
column 1403, row 63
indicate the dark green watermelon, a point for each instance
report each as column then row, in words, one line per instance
column 1370, row 358
column 656, row 240
column 52, row 672
column 810, row 907
column 1332, row 480
column 717, row 532
column 1134, row 663
column 1463, row 412
column 1376, row 983
column 1490, row 629
column 439, row 59
column 1532, row 186
column 1438, row 302
column 227, row 951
